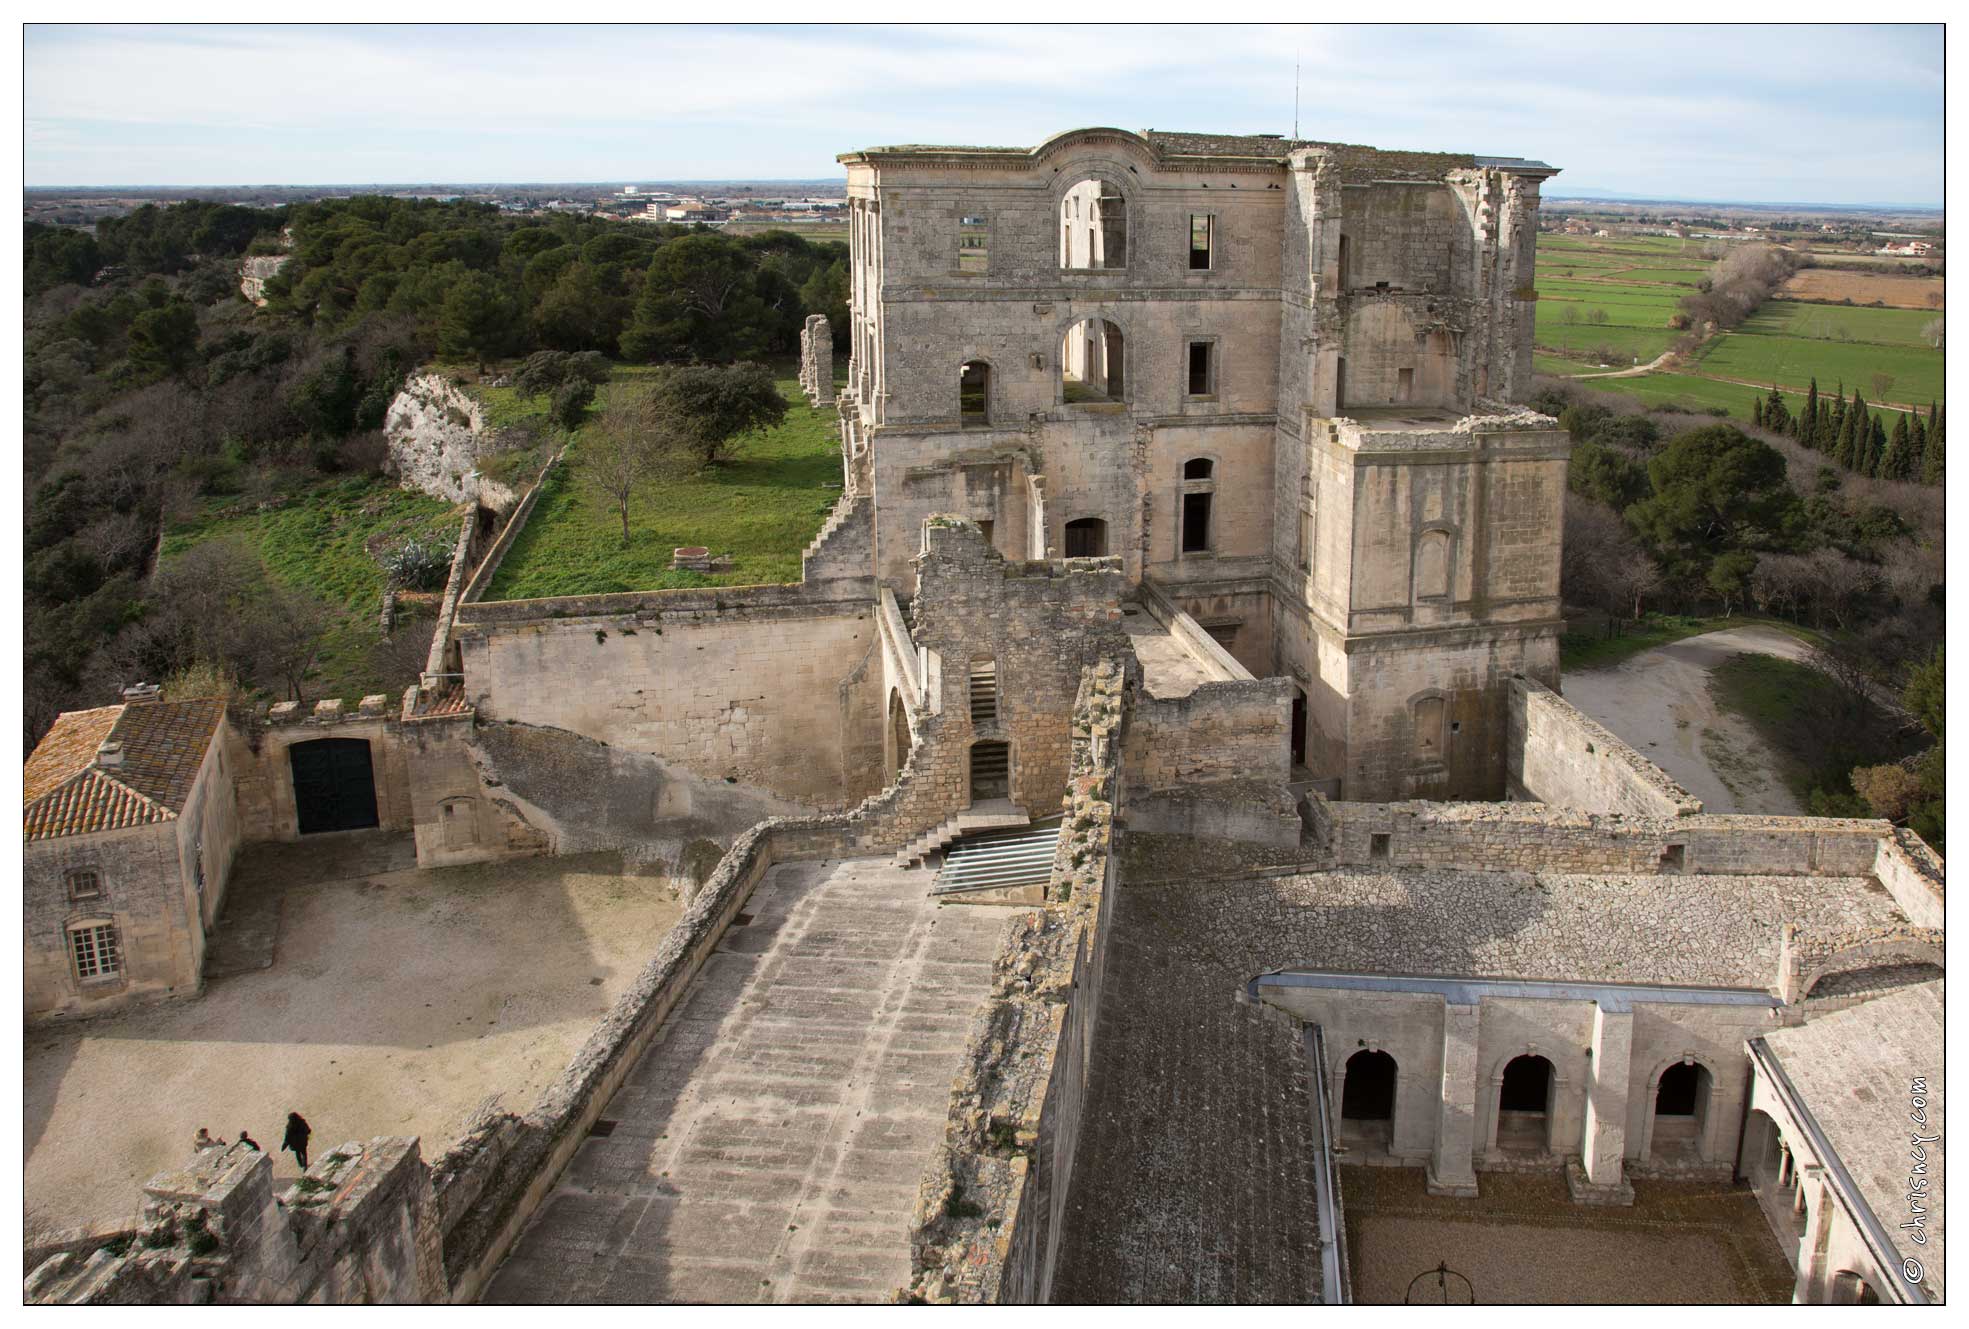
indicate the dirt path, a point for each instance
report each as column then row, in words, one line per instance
column 1659, row 702
column 1637, row 371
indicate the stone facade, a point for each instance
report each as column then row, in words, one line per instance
column 1261, row 373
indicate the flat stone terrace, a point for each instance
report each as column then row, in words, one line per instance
column 769, row 1145
column 1169, row 668
column 1701, row 930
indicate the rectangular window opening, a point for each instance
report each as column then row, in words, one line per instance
column 1202, row 229
column 85, row 884
column 1674, row 858
column 1196, row 523
column 973, row 244
column 1203, row 369
column 1378, row 846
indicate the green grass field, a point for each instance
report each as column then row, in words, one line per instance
column 1842, row 323
column 1792, row 362
column 325, row 540
column 1610, row 295
column 1685, row 392
column 762, row 508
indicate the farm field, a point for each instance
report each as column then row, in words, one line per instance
column 1864, row 288
column 1791, row 362
column 1609, row 301
column 1685, row 392
column 761, row 508
column 1844, row 323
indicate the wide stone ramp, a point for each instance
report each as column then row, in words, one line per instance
column 769, row 1145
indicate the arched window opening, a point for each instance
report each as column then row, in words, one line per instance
column 1087, row 537
column 1675, row 1096
column 1369, row 1092
column 991, row 770
column 1092, row 360
column 1093, row 226
column 1198, row 468
column 1432, row 566
column 1524, row 1103
column 974, row 394
column 1431, row 733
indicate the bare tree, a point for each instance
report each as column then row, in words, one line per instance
column 1882, row 382
column 622, row 450
column 1931, row 332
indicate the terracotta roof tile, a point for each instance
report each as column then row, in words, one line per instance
column 164, row 744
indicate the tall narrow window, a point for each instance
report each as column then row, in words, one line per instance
column 1203, row 369
column 1201, row 227
column 96, row 951
column 984, row 693
column 1404, row 385
column 974, row 394
column 1196, row 523
column 1429, row 729
column 1093, row 226
column 973, row 243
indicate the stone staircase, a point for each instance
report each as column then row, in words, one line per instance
column 844, row 508
column 989, row 815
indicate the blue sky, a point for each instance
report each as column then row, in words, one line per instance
column 1752, row 113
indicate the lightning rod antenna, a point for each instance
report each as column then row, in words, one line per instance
column 1295, row 96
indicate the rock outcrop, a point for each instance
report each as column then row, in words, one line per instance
column 436, row 435
column 254, row 273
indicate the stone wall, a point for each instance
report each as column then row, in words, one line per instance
column 1556, row 754
column 763, row 686
column 1231, row 730
column 991, row 1212
column 817, row 360
column 145, row 894
column 1912, row 874
column 360, row 1227
column 1534, row 838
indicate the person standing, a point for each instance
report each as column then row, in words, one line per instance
column 296, row 1139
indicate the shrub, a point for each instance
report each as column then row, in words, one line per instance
column 416, row 566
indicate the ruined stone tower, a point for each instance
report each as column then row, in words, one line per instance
column 1269, row 375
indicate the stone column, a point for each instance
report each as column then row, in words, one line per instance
column 1451, row 1168
column 821, row 337
column 1597, row 1179
column 1813, row 1244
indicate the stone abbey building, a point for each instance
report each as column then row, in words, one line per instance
column 1191, row 605
column 1269, row 377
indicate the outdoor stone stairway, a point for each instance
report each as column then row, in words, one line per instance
column 998, row 860
column 844, row 508
column 991, row 814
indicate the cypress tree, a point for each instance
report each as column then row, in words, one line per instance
column 1774, row 412
column 1809, row 421
column 1931, row 457
column 1931, row 415
column 1847, row 454
column 1757, row 411
column 1876, row 447
column 1830, row 442
column 1894, row 458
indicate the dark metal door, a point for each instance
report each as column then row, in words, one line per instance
column 334, row 785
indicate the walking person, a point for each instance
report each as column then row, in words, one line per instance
column 296, row 1139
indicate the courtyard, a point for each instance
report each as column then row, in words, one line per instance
column 343, row 983
column 1523, row 1241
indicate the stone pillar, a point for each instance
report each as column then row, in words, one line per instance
column 819, row 340
column 1813, row 1244
column 1451, row 1167
column 1596, row 1178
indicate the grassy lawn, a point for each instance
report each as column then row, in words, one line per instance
column 326, row 539
column 1819, row 731
column 761, row 508
column 1591, row 648
column 1687, row 392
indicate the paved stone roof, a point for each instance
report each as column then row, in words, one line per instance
column 1853, row 1069
column 65, row 791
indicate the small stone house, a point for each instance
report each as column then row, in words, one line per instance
column 130, row 830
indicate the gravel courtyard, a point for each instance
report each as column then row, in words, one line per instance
column 396, row 1002
column 1523, row 1241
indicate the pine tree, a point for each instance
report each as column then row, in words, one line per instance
column 1774, row 412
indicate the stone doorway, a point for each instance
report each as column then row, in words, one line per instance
column 1524, row 1105
column 1367, row 1100
column 334, row 785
